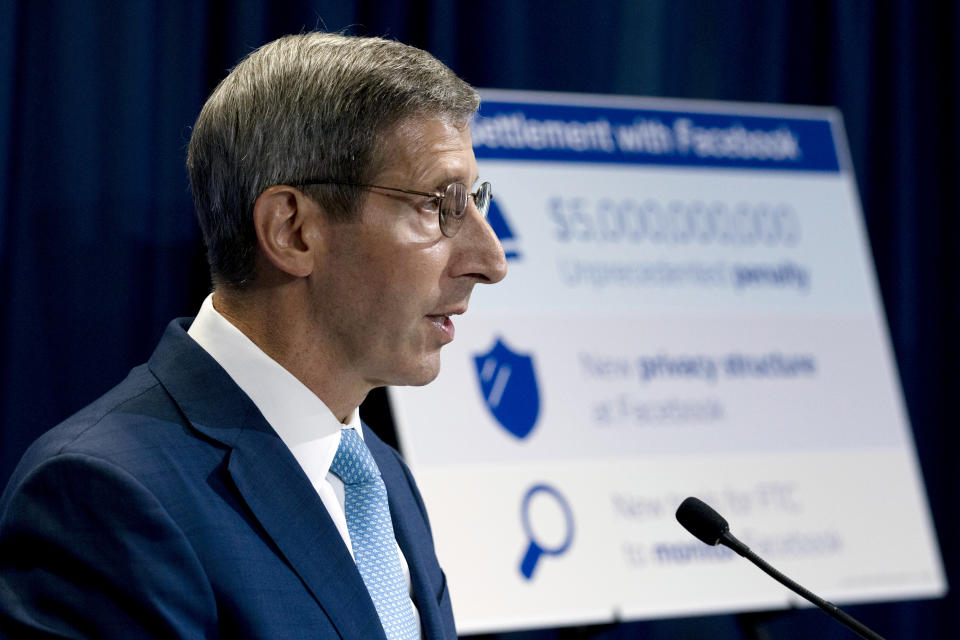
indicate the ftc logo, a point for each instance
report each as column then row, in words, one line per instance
column 509, row 388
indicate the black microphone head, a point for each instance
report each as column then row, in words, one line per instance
column 702, row 521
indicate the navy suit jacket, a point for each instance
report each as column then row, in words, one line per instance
column 169, row 508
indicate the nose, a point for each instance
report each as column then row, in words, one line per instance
column 480, row 252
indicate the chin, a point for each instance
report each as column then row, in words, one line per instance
column 424, row 378
column 420, row 373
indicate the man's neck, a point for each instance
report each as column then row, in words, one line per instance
column 275, row 323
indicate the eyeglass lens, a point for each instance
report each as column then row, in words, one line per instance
column 454, row 206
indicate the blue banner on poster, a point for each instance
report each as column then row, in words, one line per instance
column 571, row 133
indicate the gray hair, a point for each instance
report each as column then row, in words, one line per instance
column 308, row 106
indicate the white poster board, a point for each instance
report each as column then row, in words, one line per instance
column 690, row 309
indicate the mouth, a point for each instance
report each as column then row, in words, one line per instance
column 444, row 325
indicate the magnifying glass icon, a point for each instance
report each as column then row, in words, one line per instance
column 538, row 547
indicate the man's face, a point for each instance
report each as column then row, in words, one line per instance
column 391, row 284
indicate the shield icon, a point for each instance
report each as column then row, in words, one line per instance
column 508, row 385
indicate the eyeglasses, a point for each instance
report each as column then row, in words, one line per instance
column 451, row 204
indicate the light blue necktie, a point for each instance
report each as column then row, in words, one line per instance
column 371, row 535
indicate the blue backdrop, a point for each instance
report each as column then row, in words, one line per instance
column 99, row 248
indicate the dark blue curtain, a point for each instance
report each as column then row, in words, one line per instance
column 99, row 249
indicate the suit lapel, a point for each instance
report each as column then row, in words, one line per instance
column 295, row 518
column 268, row 477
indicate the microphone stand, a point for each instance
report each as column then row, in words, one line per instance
column 729, row 540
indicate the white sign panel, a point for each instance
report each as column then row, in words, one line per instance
column 690, row 309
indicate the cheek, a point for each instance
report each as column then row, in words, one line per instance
column 393, row 283
column 413, row 280
column 391, row 296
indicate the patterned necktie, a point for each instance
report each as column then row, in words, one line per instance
column 371, row 535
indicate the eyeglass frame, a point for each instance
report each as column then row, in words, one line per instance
column 442, row 219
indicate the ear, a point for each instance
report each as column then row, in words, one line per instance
column 285, row 220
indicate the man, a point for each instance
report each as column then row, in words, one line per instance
column 213, row 493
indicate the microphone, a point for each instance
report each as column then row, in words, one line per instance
column 711, row 528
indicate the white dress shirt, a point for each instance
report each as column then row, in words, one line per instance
column 304, row 423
